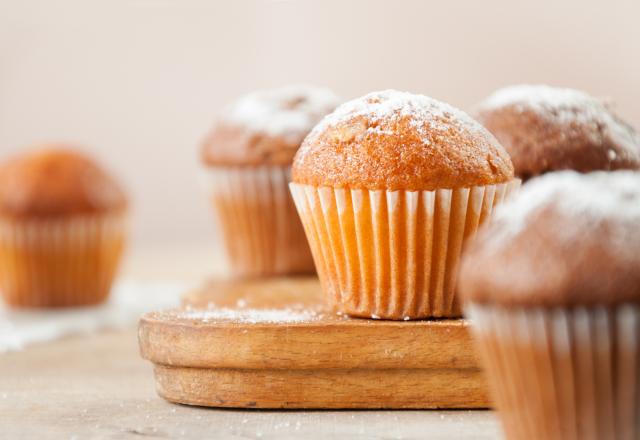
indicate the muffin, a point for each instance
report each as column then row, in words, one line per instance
column 62, row 229
column 247, row 159
column 553, row 290
column 550, row 129
column 388, row 188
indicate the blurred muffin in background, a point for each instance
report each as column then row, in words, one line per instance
column 550, row 129
column 552, row 287
column 248, row 159
column 62, row 229
column 389, row 187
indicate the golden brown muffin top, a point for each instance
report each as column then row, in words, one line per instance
column 549, row 129
column 54, row 182
column 567, row 239
column 267, row 127
column 400, row 141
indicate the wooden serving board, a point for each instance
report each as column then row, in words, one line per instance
column 271, row 344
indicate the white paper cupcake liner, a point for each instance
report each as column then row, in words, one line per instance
column 257, row 220
column 562, row 373
column 393, row 254
column 60, row 262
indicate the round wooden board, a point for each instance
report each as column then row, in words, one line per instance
column 233, row 359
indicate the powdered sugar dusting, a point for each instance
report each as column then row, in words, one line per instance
column 289, row 111
column 425, row 114
column 250, row 315
column 567, row 107
column 550, row 101
column 593, row 197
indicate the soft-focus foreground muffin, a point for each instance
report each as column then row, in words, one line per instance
column 549, row 129
column 388, row 187
column 553, row 291
column 62, row 229
column 248, row 159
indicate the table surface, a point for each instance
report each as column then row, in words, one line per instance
column 97, row 386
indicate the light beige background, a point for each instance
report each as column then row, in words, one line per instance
column 139, row 82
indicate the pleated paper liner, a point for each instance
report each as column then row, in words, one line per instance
column 259, row 225
column 393, row 254
column 562, row 373
column 60, row 262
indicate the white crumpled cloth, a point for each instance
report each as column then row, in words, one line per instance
column 129, row 299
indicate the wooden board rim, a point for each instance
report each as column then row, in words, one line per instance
column 315, row 389
column 342, row 344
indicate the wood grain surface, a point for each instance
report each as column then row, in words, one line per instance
column 327, row 361
column 98, row 387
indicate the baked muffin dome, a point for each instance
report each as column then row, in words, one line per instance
column 566, row 239
column 267, row 127
column 56, row 181
column 549, row 129
column 399, row 141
